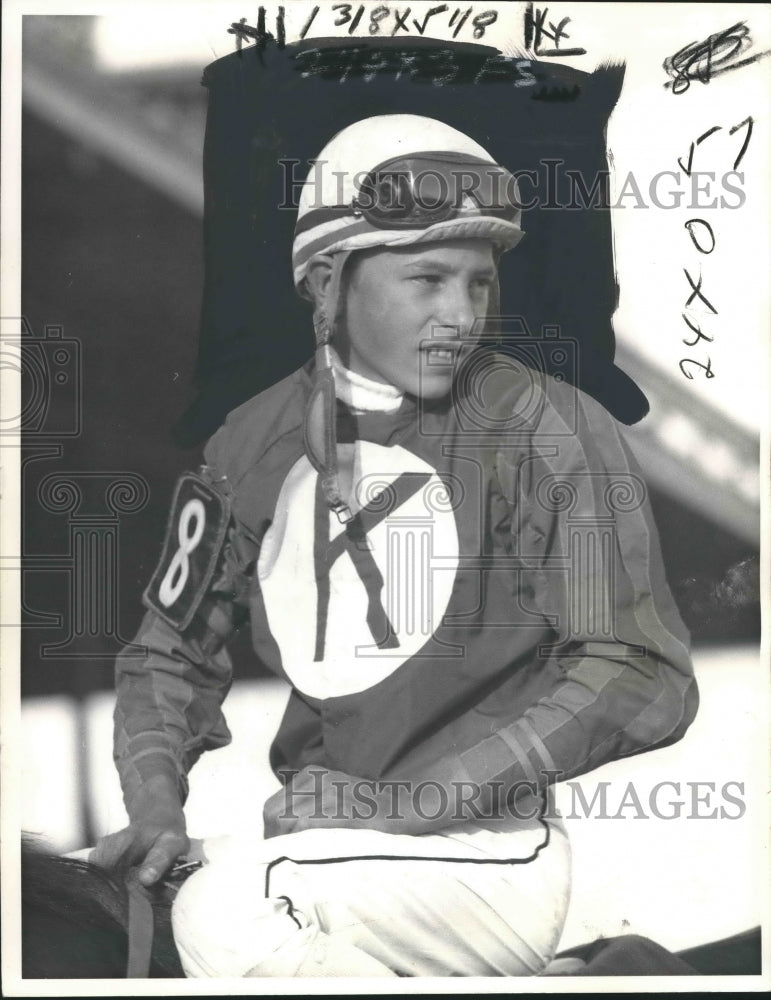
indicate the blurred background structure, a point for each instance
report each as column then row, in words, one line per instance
column 112, row 265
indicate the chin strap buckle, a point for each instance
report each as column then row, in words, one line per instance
column 342, row 511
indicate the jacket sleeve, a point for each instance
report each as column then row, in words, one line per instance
column 169, row 699
column 583, row 534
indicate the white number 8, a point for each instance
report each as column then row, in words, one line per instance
column 176, row 576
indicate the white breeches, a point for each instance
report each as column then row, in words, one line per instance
column 370, row 917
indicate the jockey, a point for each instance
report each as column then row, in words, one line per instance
column 450, row 558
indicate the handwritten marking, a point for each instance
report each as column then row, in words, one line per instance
column 697, row 292
column 705, row 60
column 461, row 22
column 421, row 27
column 307, row 26
column 376, row 16
column 708, row 373
column 431, row 65
column 401, row 20
column 535, row 32
column 697, row 330
column 708, row 133
column 356, row 19
column 353, row 17
column 705, row 243
column 748, row 121
column 687, row 170
column 691, row 224
column 260, row 34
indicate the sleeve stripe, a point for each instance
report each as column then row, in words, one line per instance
column 537, row 743
column 156, row 752
column 506, row 735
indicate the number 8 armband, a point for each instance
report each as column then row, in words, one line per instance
column 195, row 536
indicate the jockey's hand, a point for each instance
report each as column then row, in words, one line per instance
column 155, row 837
column 319, row 798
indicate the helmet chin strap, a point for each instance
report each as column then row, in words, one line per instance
column 320, row 413
column 493, row 322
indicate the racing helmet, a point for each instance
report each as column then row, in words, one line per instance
column 395, row 180
column 389, row 181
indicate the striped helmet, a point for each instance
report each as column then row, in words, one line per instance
column 461, row 191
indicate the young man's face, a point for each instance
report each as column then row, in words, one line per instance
column 409, row 313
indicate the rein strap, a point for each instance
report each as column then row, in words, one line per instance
column 141, row 928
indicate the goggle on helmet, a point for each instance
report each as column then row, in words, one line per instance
column 396, row 180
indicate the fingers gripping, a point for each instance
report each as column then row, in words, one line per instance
column 114, row 849
column 130, row 847
column 164, row 852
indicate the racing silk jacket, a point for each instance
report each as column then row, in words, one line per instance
column 497, row 607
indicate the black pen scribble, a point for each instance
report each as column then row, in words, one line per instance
column 705, row 60
column 708, row 133
column 748, row 121
column 697, row 292
column 700, row 335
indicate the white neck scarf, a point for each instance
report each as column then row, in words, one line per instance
column 361, row 393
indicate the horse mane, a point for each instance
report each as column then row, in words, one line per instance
column 75, row 920
column 728, row 607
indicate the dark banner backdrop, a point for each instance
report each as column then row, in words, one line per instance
column 269, row 104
